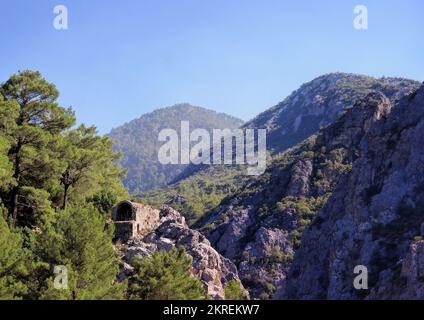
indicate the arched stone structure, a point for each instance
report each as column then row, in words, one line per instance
column 133, row 219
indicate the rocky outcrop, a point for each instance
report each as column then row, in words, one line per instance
column 413, row 271
column 301, row 172
column 260, row 229
column 212, row 269
column 374, row 218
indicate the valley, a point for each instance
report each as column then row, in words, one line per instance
column 342, row 188
column 258, row 222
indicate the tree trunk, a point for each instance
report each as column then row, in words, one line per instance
column 15, row 196
column 65, row 196
column 16, row 190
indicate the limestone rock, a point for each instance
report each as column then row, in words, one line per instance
column 373, row 217
column 212, row 269
column 260, row 230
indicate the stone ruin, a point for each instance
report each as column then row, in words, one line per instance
column 133, row 219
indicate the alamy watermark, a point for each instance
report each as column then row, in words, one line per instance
column 361, row 280
column 61, row 280
column 226, row 146
column 360, row 21
column 60, row 20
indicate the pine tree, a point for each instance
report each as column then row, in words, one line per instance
column 8, row 114
column 12, row 262
column 90, row 166
column 165, row 276
column 105, row 199
column 44, row 165
column 79, row 241
column 33, row 142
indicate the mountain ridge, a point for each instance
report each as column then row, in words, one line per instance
column 343, row 89
column 137, row 140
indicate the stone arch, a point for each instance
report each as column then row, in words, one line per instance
column 125, row 211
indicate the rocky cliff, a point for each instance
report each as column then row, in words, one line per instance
column 261, row 227
column 212, row 269
column 319, row 103
column 374, row 217
column 313, row 106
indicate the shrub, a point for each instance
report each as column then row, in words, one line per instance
column 233, row 291
column 165, row 276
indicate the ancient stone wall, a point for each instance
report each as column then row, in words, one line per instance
column 133, row 219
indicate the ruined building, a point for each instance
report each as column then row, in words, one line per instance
column 132, row 219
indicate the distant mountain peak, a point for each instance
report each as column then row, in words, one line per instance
column 138, row 143
column 320, row 102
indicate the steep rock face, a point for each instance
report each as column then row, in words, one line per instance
column 319, row 103
column 212, row 269
column 313, row 106
column 374, row 218
column 259, row 225
column 260, row 228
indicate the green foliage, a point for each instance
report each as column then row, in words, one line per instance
column 32, row 128
column 165, row 276
column 78, row 240
column 233, row 291
column 89, row 167
column 43, row 164
column 199, row 193
column 306, row 209
column 8, row 113
column 39, row 156
column 6, row 167
column 105, row 199
column 138, row 142
column 279, row 256
column 13, row 258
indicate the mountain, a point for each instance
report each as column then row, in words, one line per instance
column 138, row 142
column 259, row 224
column 319, row 103
column 316, row 104
column 265, row 223
column 260, row 228
column 375, row 217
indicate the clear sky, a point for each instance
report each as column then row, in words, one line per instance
column 121, row 59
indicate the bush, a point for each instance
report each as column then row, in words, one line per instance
column 12, row 263
column 233, row 291
column 78, row 240
column 165, row 276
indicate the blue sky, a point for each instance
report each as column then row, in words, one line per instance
column 121, row 59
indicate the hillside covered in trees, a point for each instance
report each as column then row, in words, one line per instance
column 138, row 143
